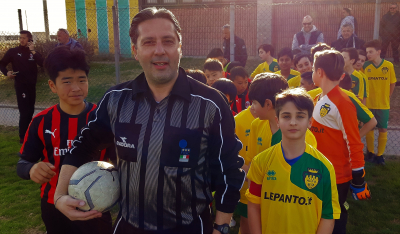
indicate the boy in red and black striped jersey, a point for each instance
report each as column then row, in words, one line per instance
column 50, row 136
column 240, row 79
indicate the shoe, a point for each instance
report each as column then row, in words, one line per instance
column 369, row 157
column 379, row 160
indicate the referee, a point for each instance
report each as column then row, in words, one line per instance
column 174, row 139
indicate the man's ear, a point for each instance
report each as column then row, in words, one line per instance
column 134, row 51
column 52, row 86
column 342, row 77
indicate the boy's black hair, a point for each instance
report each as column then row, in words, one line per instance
column 374, row 43
column 215, row 53
column 232, row 65
column 319, row 47
column 352, row 53
column 61, row 58
column 226, row 86
column 238, row 71
column 267, row 48
column 213, row 64
column 300, row 56
column 346, row 83
column 362, row 52
column 27, row 33
column 307, row 76
column 267, row 86
column 285, row 51
column 197, row 75
column 298, row 96
column 332, row 62
column 295, row 52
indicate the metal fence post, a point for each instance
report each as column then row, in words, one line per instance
column 264, row 22
column 46, row 20
column 377, row 18
column 116, row 42
column 232, row 31
column 20, row 20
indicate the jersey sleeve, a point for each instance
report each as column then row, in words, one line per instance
column 363, row 113
column 294, row 82
column 361, row 88
column 32, row 148
column 4, row 61
column 392, row 75
column 310, row 139
column 330, row 199
column 251, row 144
column 257, row 70
column 255, row 175
column 365, row 86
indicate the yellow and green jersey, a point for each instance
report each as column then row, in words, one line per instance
column 366, row 86
column 293, row 74
column 293, row 199
column 379, row 80
column 294, row 82
column 357, row 84
column 265, row 67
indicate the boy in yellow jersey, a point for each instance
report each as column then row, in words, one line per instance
column 303, row 64
column 350, row 56
column 243, row 124
column 381, row 80
column 285, row 60
column 292, row 185
column 362, row 56
column 266, row 53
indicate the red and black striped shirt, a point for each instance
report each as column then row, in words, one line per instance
column 241, row 103
column 49, row 137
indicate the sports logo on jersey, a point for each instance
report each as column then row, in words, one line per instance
column 271, row 175
column 31, row 57
column 247, row 104
column 276, row 68
column 264, row 69
column 385, row 70
column 247, row 132
column 259, row 141
column 20, row 55
column 185, row 152
column 50, row 132
column 311, row 178
column 125, row 144
column 324, row 109
column 369, row 70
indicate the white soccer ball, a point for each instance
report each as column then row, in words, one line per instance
column 97, row 184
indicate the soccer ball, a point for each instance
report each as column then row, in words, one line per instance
column 97, row 184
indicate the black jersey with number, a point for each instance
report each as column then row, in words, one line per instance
column 50, row 136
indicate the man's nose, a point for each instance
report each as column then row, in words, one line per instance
column 159, row 48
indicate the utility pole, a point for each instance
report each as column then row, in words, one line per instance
column 46, row 20
column 377, row 18
column 20, row 20
column 116, row 40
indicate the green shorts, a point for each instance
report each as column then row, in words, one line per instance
column 241, row 209
column 382, row 117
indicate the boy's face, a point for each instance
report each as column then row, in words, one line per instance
column 307, row 86
column 23, row 39
column 71, row 86
column 285, row 62
column 372, row 53
column 360, row 62
column 222, row 60
column 263, row 55
column 347, row 61
column 241, row 84
column 317, row 77
column 213, row 76
column 293, row 122
column 304, row 65
column 258, row 110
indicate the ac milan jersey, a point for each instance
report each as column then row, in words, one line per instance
column 242, row 102
column 50, row 136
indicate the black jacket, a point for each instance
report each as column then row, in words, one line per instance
column 351, row 42
column 390, row 26
column 23, row 61
column 240, row 50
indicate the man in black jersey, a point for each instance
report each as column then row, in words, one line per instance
column 50, row 136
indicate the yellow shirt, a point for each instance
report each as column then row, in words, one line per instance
column 293, row 199
column 243, row 124
column 379, row 80
column 293, row 74
column 357, row 86
column 295, row 82
column 265, row 67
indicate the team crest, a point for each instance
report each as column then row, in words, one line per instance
column 247, row 132
column 385, row 70
column 247, row 104
column 324, row 110
column 31, row 57
column 259, row 141
column 276, row 68
column 353, row 84
column 369, row 70
column 185, row 152
column 311, row 178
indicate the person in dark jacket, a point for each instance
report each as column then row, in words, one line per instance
column 24, row 60
column 348, row 18
column 390, row 32
column 65, row 40
column 348, row 39
column 240, row 47
column 308, row 37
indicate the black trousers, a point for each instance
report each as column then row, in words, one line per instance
column 26, row 97
column 395, row 47
column 340, row 224
column 57, row 223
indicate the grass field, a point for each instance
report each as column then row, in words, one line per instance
column 20, row 199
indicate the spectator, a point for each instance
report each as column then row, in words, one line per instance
column 197, row 75
column 270, row 64
column 390, row 32
column 348, row 39
column 240, row 47
column 347, row 19
column 64, row 39
column 308, row 37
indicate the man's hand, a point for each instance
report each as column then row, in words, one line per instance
column 42, row 172
column 31, row 47
column 10, row 75
column 67, row 205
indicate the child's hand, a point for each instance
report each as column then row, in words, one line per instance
column 42, row 172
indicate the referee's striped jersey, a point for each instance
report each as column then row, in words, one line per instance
column 171, row 154
column 49, row 137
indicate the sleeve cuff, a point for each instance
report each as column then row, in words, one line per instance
column 252, row 198
column 331, row 216
column 74, row 160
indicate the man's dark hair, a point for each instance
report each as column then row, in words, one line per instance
column 346, row 83
column 362, row 52
column 61, row 58
column 152, row 13
column 238, row 71
column 27, row 33
column 285, row 51
column 197, row 75
column 298, row 57
column 352, row 53
column 307, row 76
column 374, row 43
column 267, row 86
column 213, row 64
column 332, row 62
column 215, row 53
column 298, row 96
column 232, row 65
column 267, row 48
column 319, row 47
column 226, row 86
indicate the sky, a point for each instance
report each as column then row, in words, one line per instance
column 34, row 11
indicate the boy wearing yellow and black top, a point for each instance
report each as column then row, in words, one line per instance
column 292, row 185
column 381, row 81
column 266, row 53
column 350, row 56
column 285, row 60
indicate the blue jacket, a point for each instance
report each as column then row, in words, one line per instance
column 72, row 43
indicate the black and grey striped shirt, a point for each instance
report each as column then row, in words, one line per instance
column 171, row 154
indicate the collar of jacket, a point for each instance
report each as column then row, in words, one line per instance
column 181, row 87
column 314, row 28
column 23, row 47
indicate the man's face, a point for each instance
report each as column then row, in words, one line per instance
column 306, row 85
column 307, row 25
column 372, row 53
column 393, row 9
column 241, row 84
column 347, row 32
column 304, row 65
column 347, row 61
column 23, row 39
column 227, row 33
column 293, row 122
column 62, row 37
column 360, row 62
column 213, row 76
column 285, row 62
column 71, row 86
column 158, row 50
column 263, row 55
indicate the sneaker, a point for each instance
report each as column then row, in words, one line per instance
column 369, row 156
column 233, row 223
column 379, row 160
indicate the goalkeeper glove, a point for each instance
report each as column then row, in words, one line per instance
column 359, row 187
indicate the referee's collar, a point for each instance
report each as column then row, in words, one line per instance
column 181, row 87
